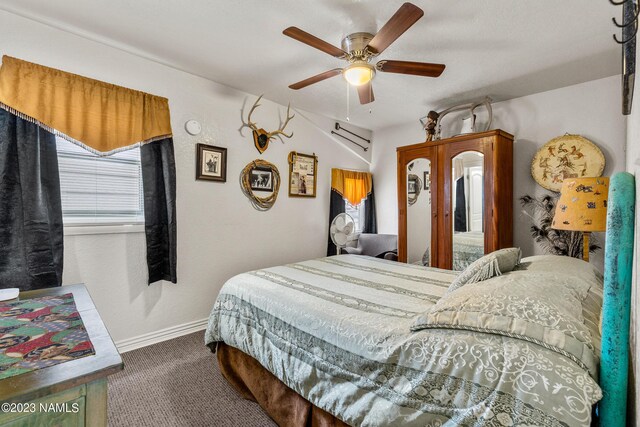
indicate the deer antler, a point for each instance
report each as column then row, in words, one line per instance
column 262, row 133
column 250, row 124
column 284, row 125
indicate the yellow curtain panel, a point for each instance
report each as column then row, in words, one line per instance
column 102, row 117
column 352, row 185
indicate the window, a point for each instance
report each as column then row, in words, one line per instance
column 100, row 190
column 357, row 213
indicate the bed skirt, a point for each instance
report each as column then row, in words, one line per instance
column 283, row 405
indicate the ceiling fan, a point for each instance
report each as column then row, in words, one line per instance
column 360, row 48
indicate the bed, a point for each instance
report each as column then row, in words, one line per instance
column 467, row 247
column 329, row 342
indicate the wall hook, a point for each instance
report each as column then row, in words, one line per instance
column 628, row 39
column 630, row 12
column 625, row 25
column 628, row 26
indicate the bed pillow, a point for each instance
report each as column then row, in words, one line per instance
column 490, row 265
column 563, row 265
column 589, row 287
column 530, row 306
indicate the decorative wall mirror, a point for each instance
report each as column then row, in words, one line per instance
column 467, row 202
column 418, row 214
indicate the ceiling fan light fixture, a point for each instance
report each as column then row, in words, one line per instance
column 359, row 73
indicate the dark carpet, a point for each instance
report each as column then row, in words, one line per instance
column 178, row 383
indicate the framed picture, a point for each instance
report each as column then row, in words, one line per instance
column 261, row 179
column 302, row 174
column 427, row 180
column 412, row 185
column 211, row 163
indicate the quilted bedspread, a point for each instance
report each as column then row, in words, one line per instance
column 467, row 247
column 337, row 331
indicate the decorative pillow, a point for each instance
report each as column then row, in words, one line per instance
column 533, row 306
column 589, row 287
column 490, row 265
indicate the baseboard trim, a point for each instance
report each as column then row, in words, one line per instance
column 161, row 335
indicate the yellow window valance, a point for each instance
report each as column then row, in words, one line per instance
column 103, row 117
column 352, row 185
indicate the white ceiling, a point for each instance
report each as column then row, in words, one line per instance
column 500, row 48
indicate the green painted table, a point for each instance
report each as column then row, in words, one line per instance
column 69, row 394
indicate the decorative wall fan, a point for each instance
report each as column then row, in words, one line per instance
column 360, row 48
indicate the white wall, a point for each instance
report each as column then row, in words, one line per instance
column 590, row 109
column 219, row 233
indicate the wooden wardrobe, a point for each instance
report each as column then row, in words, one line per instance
column 455, row 199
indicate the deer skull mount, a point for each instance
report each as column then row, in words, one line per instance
column 261, row 137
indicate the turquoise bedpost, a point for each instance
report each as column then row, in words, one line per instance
column 618, row 265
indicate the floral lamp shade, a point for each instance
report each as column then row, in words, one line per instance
column 582, row 207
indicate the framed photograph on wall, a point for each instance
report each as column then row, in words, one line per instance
column 211, row 163
column 261, row 179
column 303, row 174
column 427, row 180
column 412, row 186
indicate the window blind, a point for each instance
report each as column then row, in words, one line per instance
column 100, row 190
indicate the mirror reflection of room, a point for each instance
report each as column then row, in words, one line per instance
column 419, row 212
column 467, row 201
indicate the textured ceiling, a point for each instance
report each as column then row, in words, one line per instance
column 500, row 48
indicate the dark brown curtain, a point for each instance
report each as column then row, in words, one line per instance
column 31, row 233
column 370, row 220
column 460, row 212
column 159, row 186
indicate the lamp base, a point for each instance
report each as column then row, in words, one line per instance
column 585, row 247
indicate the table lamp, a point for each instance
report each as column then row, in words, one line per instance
column 582, row 207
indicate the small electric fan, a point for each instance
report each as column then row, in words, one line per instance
column 342, row 231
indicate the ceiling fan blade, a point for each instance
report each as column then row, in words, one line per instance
column 400, row 22
column 424, row 69
column 316, row 79
column 313, row 41
column 365, row 92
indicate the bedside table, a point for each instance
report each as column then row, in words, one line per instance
column 72, row 393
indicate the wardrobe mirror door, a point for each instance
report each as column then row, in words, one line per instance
column 419, row 212
column 467, row 208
